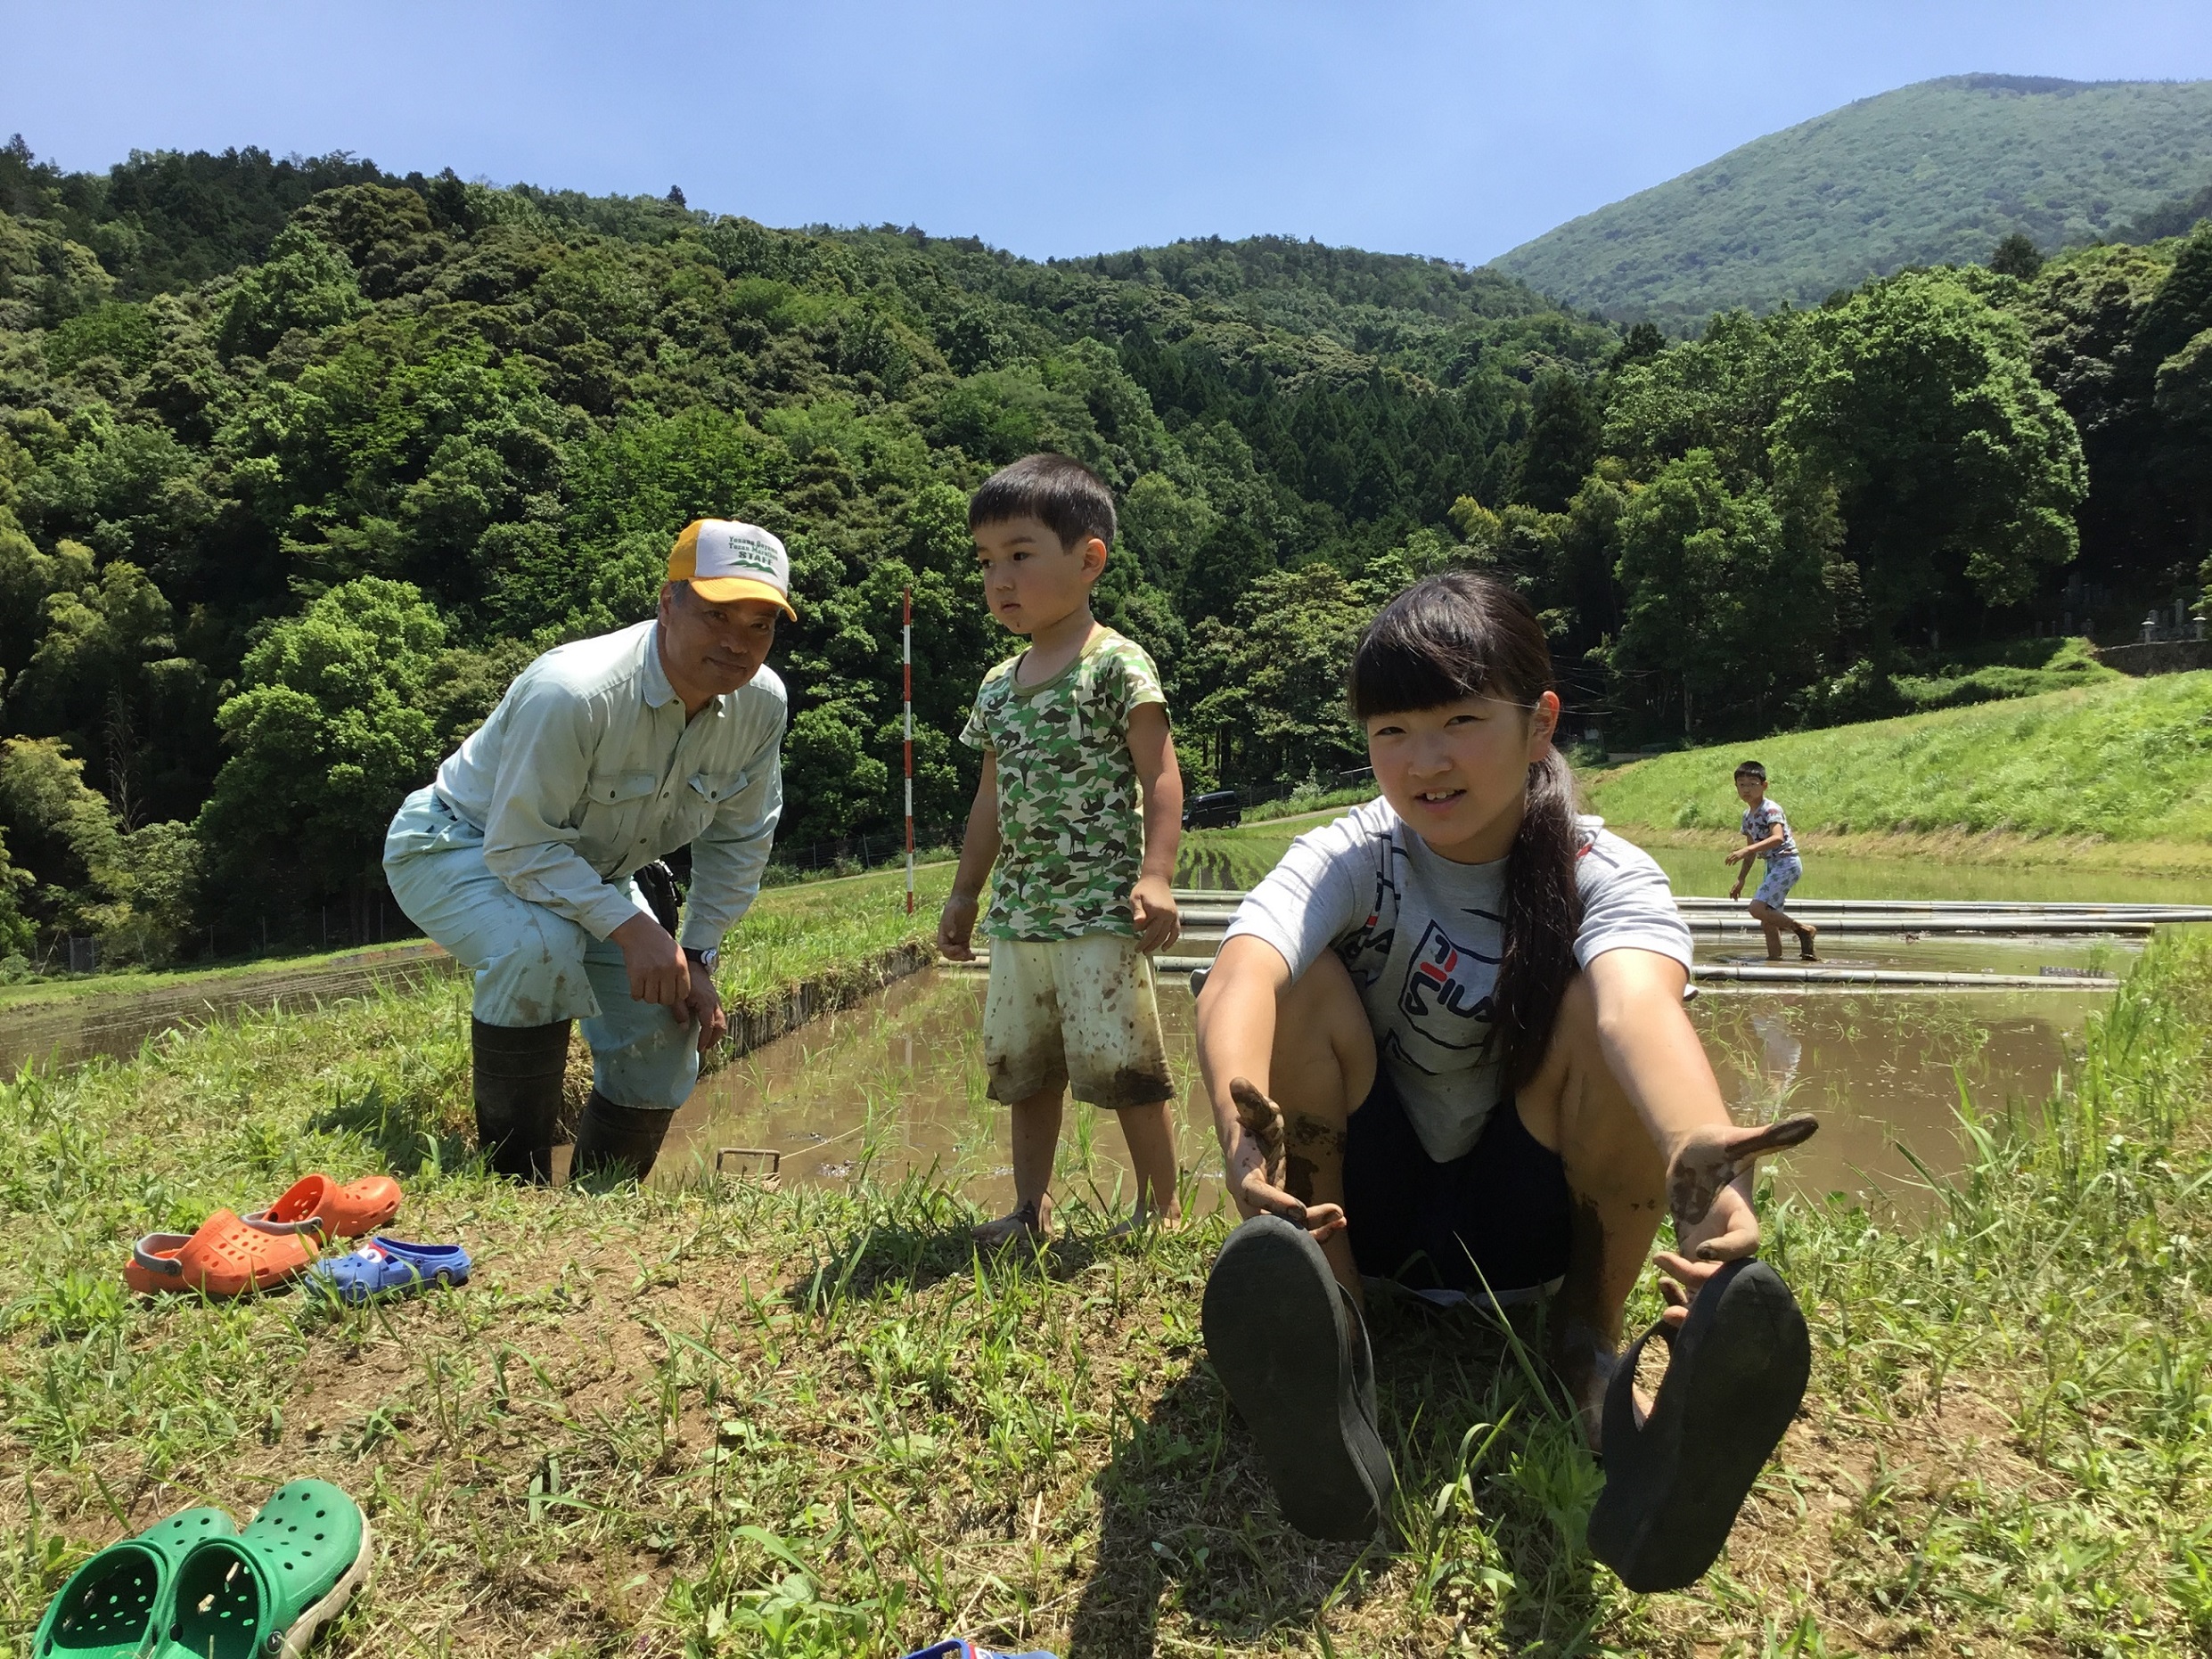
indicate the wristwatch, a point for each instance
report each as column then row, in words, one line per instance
column 707, row 959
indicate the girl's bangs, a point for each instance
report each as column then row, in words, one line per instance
column 1449, row 637
column 1398, row 670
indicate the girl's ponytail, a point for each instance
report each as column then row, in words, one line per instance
column 1542, row 915
column 1460, row 635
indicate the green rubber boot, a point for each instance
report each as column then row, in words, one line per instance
column 110, row 1607
column 267, row 1593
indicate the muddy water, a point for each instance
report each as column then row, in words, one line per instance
column 896, row 1085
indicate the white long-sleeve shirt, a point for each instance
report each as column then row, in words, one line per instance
column 588, row 769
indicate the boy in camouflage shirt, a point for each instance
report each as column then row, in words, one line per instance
column 1073, row 731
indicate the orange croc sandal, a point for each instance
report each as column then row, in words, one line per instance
column 153, row 1267
column 319, row 1205
column 226, row 1257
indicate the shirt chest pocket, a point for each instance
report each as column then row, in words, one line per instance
column 613, row 799
column 710, row 789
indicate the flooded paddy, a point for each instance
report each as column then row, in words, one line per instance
column 1695, row 872
column 896, row 1085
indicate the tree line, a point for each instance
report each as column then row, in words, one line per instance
column 300, row 461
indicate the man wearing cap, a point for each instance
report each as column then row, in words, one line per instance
column 521, row 858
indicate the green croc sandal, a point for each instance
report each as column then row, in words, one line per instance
column 110, row 1607
column 267, row 1593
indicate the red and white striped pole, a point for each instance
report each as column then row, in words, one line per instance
column 908, row 663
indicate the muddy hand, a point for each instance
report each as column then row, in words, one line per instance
column 1713, row 1156
column 1262, row 1121
column 1262, row 1188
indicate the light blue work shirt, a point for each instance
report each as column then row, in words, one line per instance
column 588, row 770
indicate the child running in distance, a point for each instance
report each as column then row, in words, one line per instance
column 1766, row 834
column 1074, row 740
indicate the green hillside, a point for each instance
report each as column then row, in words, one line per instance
column 300, row 461
column 2128, row 759
column 1934, row 172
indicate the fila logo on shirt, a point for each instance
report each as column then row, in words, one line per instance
column 1441, row 980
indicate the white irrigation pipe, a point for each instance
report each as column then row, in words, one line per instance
column 1203, row 918
column 1979, row 907
column 1707, row 924
column 1962, row 907
column 1725, row 973
column 1830, row 975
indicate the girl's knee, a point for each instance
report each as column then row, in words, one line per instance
column 1324, row 1053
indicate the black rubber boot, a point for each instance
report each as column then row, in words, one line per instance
column 618, row 1142
column 518, row 1073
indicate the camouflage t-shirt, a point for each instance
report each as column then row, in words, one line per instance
column 1072, row 834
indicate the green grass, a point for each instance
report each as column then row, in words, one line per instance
column 2126, row 760
column 2024, row 668
column 812, row 928
column 718, row 1421
column 1307, row 806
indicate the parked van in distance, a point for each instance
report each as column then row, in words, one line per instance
column 1215, row 811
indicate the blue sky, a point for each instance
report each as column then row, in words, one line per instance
column 1452, row 129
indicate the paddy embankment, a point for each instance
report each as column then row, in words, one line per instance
column 711, row 1418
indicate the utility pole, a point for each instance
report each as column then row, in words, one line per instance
column 907, row 665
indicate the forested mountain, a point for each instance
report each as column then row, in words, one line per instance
column 1930, row 174
column 300, row 462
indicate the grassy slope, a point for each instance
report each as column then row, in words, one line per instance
column 130, row 982
column 2127, row 760
column 1931, row 173
column 790, row 932
column 731, row 1422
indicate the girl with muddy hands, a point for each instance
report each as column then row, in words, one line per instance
column 1446, row 1045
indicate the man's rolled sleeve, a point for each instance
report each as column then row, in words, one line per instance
column 526, row 843
column 729, row 855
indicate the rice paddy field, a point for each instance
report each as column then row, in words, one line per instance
column 713, row 1418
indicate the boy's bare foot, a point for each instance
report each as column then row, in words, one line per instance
column 1806, row 932
column 1026, row 1221
column 1166, row 1220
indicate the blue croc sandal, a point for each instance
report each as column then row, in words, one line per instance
column 113, row 1604
column 391, row 1267
column 958, row 1647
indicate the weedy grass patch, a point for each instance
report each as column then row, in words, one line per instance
column 720, row 1421
column 2127, row 760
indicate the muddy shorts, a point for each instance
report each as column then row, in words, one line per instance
column 1077, row 1011
column 1781, row 875
column 532, row 967
column 1497, row 1215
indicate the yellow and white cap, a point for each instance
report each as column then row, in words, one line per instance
column 725, row 561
